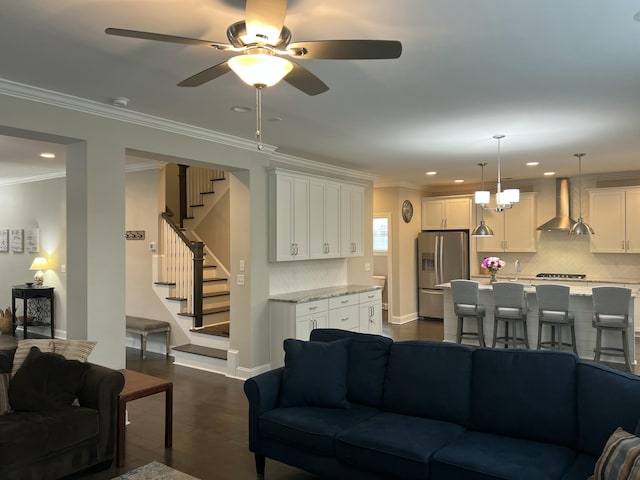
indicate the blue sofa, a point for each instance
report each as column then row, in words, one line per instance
column 428, row 410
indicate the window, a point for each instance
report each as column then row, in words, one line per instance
column 380, row 234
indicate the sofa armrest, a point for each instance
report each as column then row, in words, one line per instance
column 100, row 391
column 262, row 391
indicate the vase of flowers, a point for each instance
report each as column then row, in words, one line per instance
column 493, row 264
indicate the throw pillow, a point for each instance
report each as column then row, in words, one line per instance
column 315, row 374
column 24, row 347
column 6, row 360
column 73, row 349
column 620, row 459
column 46, row 381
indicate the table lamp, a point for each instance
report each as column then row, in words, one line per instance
column 39, row 264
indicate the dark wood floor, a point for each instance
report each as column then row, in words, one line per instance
column 209, row 419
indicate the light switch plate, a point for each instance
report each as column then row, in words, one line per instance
column 240, row 279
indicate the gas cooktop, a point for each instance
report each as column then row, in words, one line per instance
column 577, row 276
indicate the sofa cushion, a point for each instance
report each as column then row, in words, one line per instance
column 26, row 437
column 73, row 349
column 620, row 459
column 582, row 467
column 525, row 394
column 429, row 379
column 477, row 455
column 367, row 365
column 46, row 381
column 315, row 374
column 395, row 445
column 311, row 428
column 603, row 391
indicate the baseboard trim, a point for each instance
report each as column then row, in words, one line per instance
column 403, row 319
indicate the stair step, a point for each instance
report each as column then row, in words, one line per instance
column 170, row 284
column 207, row 193
column 216, row 330
column 209, row 266
column 197, row 205
column 216, row 279
column 176, row 299
column 217, row 179
column 216, row 294
column 206, row 311
column 200, row 350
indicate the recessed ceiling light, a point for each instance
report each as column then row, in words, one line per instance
column 121, row 102
column 458, row 181
column 48, row 155
column 548, row 174
column 240, row 109
column 533, row 164
column 431, row 173
column 636, row 17
column 275, row 119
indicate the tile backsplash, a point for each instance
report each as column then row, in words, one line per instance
column 306, row 275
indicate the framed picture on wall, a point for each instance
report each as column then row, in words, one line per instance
column 4, row 240
column 32, row 240
column 16, row 240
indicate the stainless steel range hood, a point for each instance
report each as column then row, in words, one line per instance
column 562, row 221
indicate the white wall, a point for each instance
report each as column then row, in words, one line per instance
column 36, row 205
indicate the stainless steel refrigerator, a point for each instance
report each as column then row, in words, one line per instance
column 442, row 256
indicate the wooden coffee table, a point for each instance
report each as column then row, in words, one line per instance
column 139, row 385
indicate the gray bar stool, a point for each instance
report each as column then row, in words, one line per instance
column 553, row 311
column 611, row 313
column 466, row 305
column 511, row 308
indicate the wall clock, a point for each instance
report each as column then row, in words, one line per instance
column 407, row 211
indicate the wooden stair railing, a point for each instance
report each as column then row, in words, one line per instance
column 182, row 267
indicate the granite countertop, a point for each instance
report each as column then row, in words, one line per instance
column 529, row 278
column 322, row 293
column 574, row 290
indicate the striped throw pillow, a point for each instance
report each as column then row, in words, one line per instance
column 4, row 393
column 620, row 459
column 73, row 349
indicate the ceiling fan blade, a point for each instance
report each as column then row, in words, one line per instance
column 206, row 75
column 265, row 18
column 160, row 37
column 346, row 49
column 304, row 80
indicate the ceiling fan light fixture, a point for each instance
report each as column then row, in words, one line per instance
column 260, row 69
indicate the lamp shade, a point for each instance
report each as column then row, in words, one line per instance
column 39, row 263
column 581, row 228
column 260, row 69
column 482, row 197
column 482, row 230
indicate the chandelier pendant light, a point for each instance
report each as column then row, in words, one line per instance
column 482, row 230
column 504, row 199
column 580, row 227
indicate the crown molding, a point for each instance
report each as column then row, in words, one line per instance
column 411, row 186
column 5, row 182
column 69, row 102
column 62, row 100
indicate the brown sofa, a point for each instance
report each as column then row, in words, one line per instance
column 51, row 444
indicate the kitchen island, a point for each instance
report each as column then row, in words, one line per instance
column 580, row 303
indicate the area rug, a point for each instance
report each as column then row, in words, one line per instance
column 154, row 471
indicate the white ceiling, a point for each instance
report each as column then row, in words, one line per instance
column 556, row 77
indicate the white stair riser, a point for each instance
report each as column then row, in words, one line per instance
column 211, row 302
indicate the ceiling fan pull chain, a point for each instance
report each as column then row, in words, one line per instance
column 259, row 117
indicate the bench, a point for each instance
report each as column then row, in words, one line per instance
column 145, row 326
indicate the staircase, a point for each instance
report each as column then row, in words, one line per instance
column 192, row 283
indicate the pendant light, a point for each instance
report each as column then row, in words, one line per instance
column 482, row 230
column 580, row 228
column 504, row 199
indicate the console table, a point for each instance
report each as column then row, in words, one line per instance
column 41, row 309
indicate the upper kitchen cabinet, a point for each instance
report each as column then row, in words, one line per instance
column 324, row 219
column 446, row 213
column 351, row 220
column 289, row 210
column 615, row 219
column 514, row 229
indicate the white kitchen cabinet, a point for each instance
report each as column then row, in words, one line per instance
column 358, row 312
column 324, row 219
column 514, row 229
column 446, row 213
column 289, row 210
column 615, row 219
column 351, row 220
column 371, row 312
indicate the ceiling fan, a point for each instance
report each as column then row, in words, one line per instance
column 262, row 40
